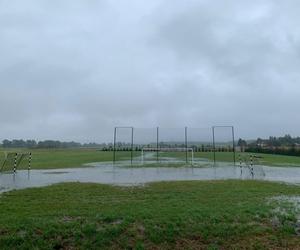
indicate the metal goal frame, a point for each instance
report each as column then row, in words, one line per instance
column 185, row 141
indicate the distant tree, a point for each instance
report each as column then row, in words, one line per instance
column 241, row 143
column 6, row 144
column 31, row 144
column 259, row 141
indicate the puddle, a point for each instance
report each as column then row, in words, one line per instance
column 56, row 172
column 294, row 201
column 125, row 176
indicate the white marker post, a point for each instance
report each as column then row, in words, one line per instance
column 15, row 163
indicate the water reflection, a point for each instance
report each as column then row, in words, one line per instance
column 118, row 175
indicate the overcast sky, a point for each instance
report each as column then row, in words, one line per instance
column 72, row 70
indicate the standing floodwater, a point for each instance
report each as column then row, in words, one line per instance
column 109, row 174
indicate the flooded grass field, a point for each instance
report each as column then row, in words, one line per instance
column 168, row 204
column 73, row 158
column 123, row 174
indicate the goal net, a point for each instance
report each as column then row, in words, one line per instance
column 224, row 144
column 197, row 145
column 201, row 140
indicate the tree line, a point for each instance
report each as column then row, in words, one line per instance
column 285, row 145
column 120, row 146
column 49, row 144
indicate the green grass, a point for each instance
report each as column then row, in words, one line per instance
column 69, row 158
column 279, row 160
column 264, row 159
column 165, row 215
column 63, row 158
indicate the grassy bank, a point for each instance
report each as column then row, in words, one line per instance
column 67, row 158
column 167, row 215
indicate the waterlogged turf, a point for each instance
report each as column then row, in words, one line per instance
column 166, row 215
column 70, row 158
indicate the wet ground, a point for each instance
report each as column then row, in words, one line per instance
column 119, row 175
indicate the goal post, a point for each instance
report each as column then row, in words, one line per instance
column 172, row 138
column 200, row 139
column 224, row 138
column 123, row 141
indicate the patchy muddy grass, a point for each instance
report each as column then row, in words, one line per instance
column 287, row 208
column 166, row 215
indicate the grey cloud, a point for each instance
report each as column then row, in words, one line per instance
column 75, row 69
column 251, row 52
